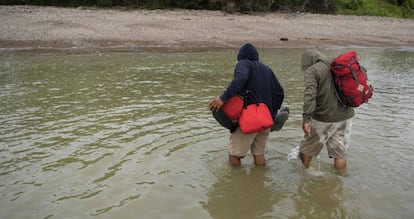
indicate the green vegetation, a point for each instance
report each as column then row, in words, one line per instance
column 387, row 8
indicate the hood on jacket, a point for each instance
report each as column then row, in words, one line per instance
column 248, row 51
column 311, row 57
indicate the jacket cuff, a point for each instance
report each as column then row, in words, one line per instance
column 306, row 117
column 223, row 98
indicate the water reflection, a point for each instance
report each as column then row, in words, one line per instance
column 319, row 193
column 241, row 193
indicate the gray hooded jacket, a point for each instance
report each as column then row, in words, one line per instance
column 320, row 101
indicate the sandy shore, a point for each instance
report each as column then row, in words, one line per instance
column 50, row 27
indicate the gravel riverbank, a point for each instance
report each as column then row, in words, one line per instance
column 32, row 27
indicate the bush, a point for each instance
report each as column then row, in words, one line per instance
column 354, row 4
column 387, row 8
column 104, row 3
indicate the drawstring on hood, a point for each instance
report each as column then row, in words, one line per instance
column 248, row 51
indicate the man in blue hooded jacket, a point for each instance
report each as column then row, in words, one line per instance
column 264, row 84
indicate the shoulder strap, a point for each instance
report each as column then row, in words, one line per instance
column 338, row 92
column 250, row 93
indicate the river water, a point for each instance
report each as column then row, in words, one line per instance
column 128, row 135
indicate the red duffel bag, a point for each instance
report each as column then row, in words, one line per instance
column 233, row 107
column 254, row 118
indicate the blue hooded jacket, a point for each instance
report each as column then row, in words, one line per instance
column 249, row 72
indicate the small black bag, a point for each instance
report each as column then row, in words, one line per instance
column 224, row 120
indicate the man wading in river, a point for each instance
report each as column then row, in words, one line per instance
column 267, row 87
column 325, row 120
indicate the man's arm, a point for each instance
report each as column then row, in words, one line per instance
column 278, row 94
column 309, row 99
column 241, row 75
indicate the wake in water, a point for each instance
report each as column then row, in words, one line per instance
column 294, row 155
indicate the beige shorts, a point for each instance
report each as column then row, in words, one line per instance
column 240, row 143
column 335, row 135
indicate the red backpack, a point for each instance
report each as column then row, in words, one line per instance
column 351, row 80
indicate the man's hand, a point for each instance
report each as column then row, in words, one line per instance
column 215, row 104
column 306, row 128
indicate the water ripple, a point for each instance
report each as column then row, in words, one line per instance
column 77, row 129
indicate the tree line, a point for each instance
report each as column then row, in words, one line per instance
column 395, row 8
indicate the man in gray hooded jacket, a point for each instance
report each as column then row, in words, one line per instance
column 325, row 120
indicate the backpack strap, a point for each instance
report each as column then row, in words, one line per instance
column 338, row 92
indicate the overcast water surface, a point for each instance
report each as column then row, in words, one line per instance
column 129, row 135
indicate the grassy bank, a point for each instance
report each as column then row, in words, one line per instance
column 390, row 8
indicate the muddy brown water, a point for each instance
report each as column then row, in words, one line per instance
column 129, row 135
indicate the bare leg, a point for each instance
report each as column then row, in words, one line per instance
column 234, row 160
column 259, row 160
column 340, row 166
column 306, row 159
